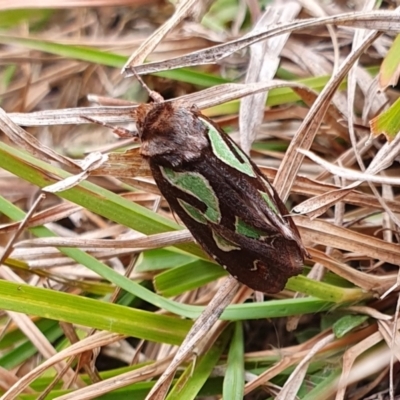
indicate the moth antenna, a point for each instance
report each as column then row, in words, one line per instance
column 155, row 96
column 118, row 130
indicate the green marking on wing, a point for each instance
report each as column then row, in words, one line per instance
column 246, row 230
column 193, row 212
column 224, row 153
column 195, row 184
column 223, row 244
column 269, row 201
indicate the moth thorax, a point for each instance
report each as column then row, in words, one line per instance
column 168, row 131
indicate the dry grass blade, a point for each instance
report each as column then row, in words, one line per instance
column 203, row 99
column 252, row 108
column 11, row 5
column 185, row 9
column 200, row 328
column 127, row 378
column 28, row 142
column 92, row 162
column 296, row 378
column 308, row 129
column 370, row 283
column 322, row 232
column 40, row 218
column 349, row 358
column 96, row 340
column 349, row 174
column 112, row 115
column 379, row 20
column 139, row 244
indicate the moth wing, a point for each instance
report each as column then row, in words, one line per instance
column 264, row 267
column 264, row 200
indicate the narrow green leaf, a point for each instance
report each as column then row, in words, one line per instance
column 234, row 377
column 326, row 291
column 104, row 271
column 66, row 307
column 159, row 259
column 347, row 323
column 192, row 380
column 24, row 349
column 390, row 67
column 186, row 277
column 102, row 57
column 31, row 16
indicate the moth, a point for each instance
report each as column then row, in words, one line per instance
column 221, row 196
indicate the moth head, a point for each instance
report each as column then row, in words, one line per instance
column 170, row 130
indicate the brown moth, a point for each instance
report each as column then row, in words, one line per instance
column 221, row 196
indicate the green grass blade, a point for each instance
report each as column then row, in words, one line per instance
column 96, row 314
column 234, row 377
column 192, row 380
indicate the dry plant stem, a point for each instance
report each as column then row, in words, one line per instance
column 51, row 214
column 29, row 143
column 350, row 174
column 351, row 89
column 379, row 20
column 360, row 394
column 184, row 9
column 23, row 4
column 293, row 355
column 349, row 156
column 104, row 387
column 97, row 340
column 314, row 8
column 142, row 243
column 385, row 332
column 392, row 345
column 369, row 311
column 8, row 248
column 318, row 204
column 201, row 327
column 392, row 339
column 85, row 358
column 304, row 138
column 296, row 378
column 363, row 280
column 56, row 379
column 251, row 111
column 349, row 357
column 7, row 379
column 384, row 158
column 322, row 232
column 209, row 97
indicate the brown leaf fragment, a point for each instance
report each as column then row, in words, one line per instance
column 124, row 165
